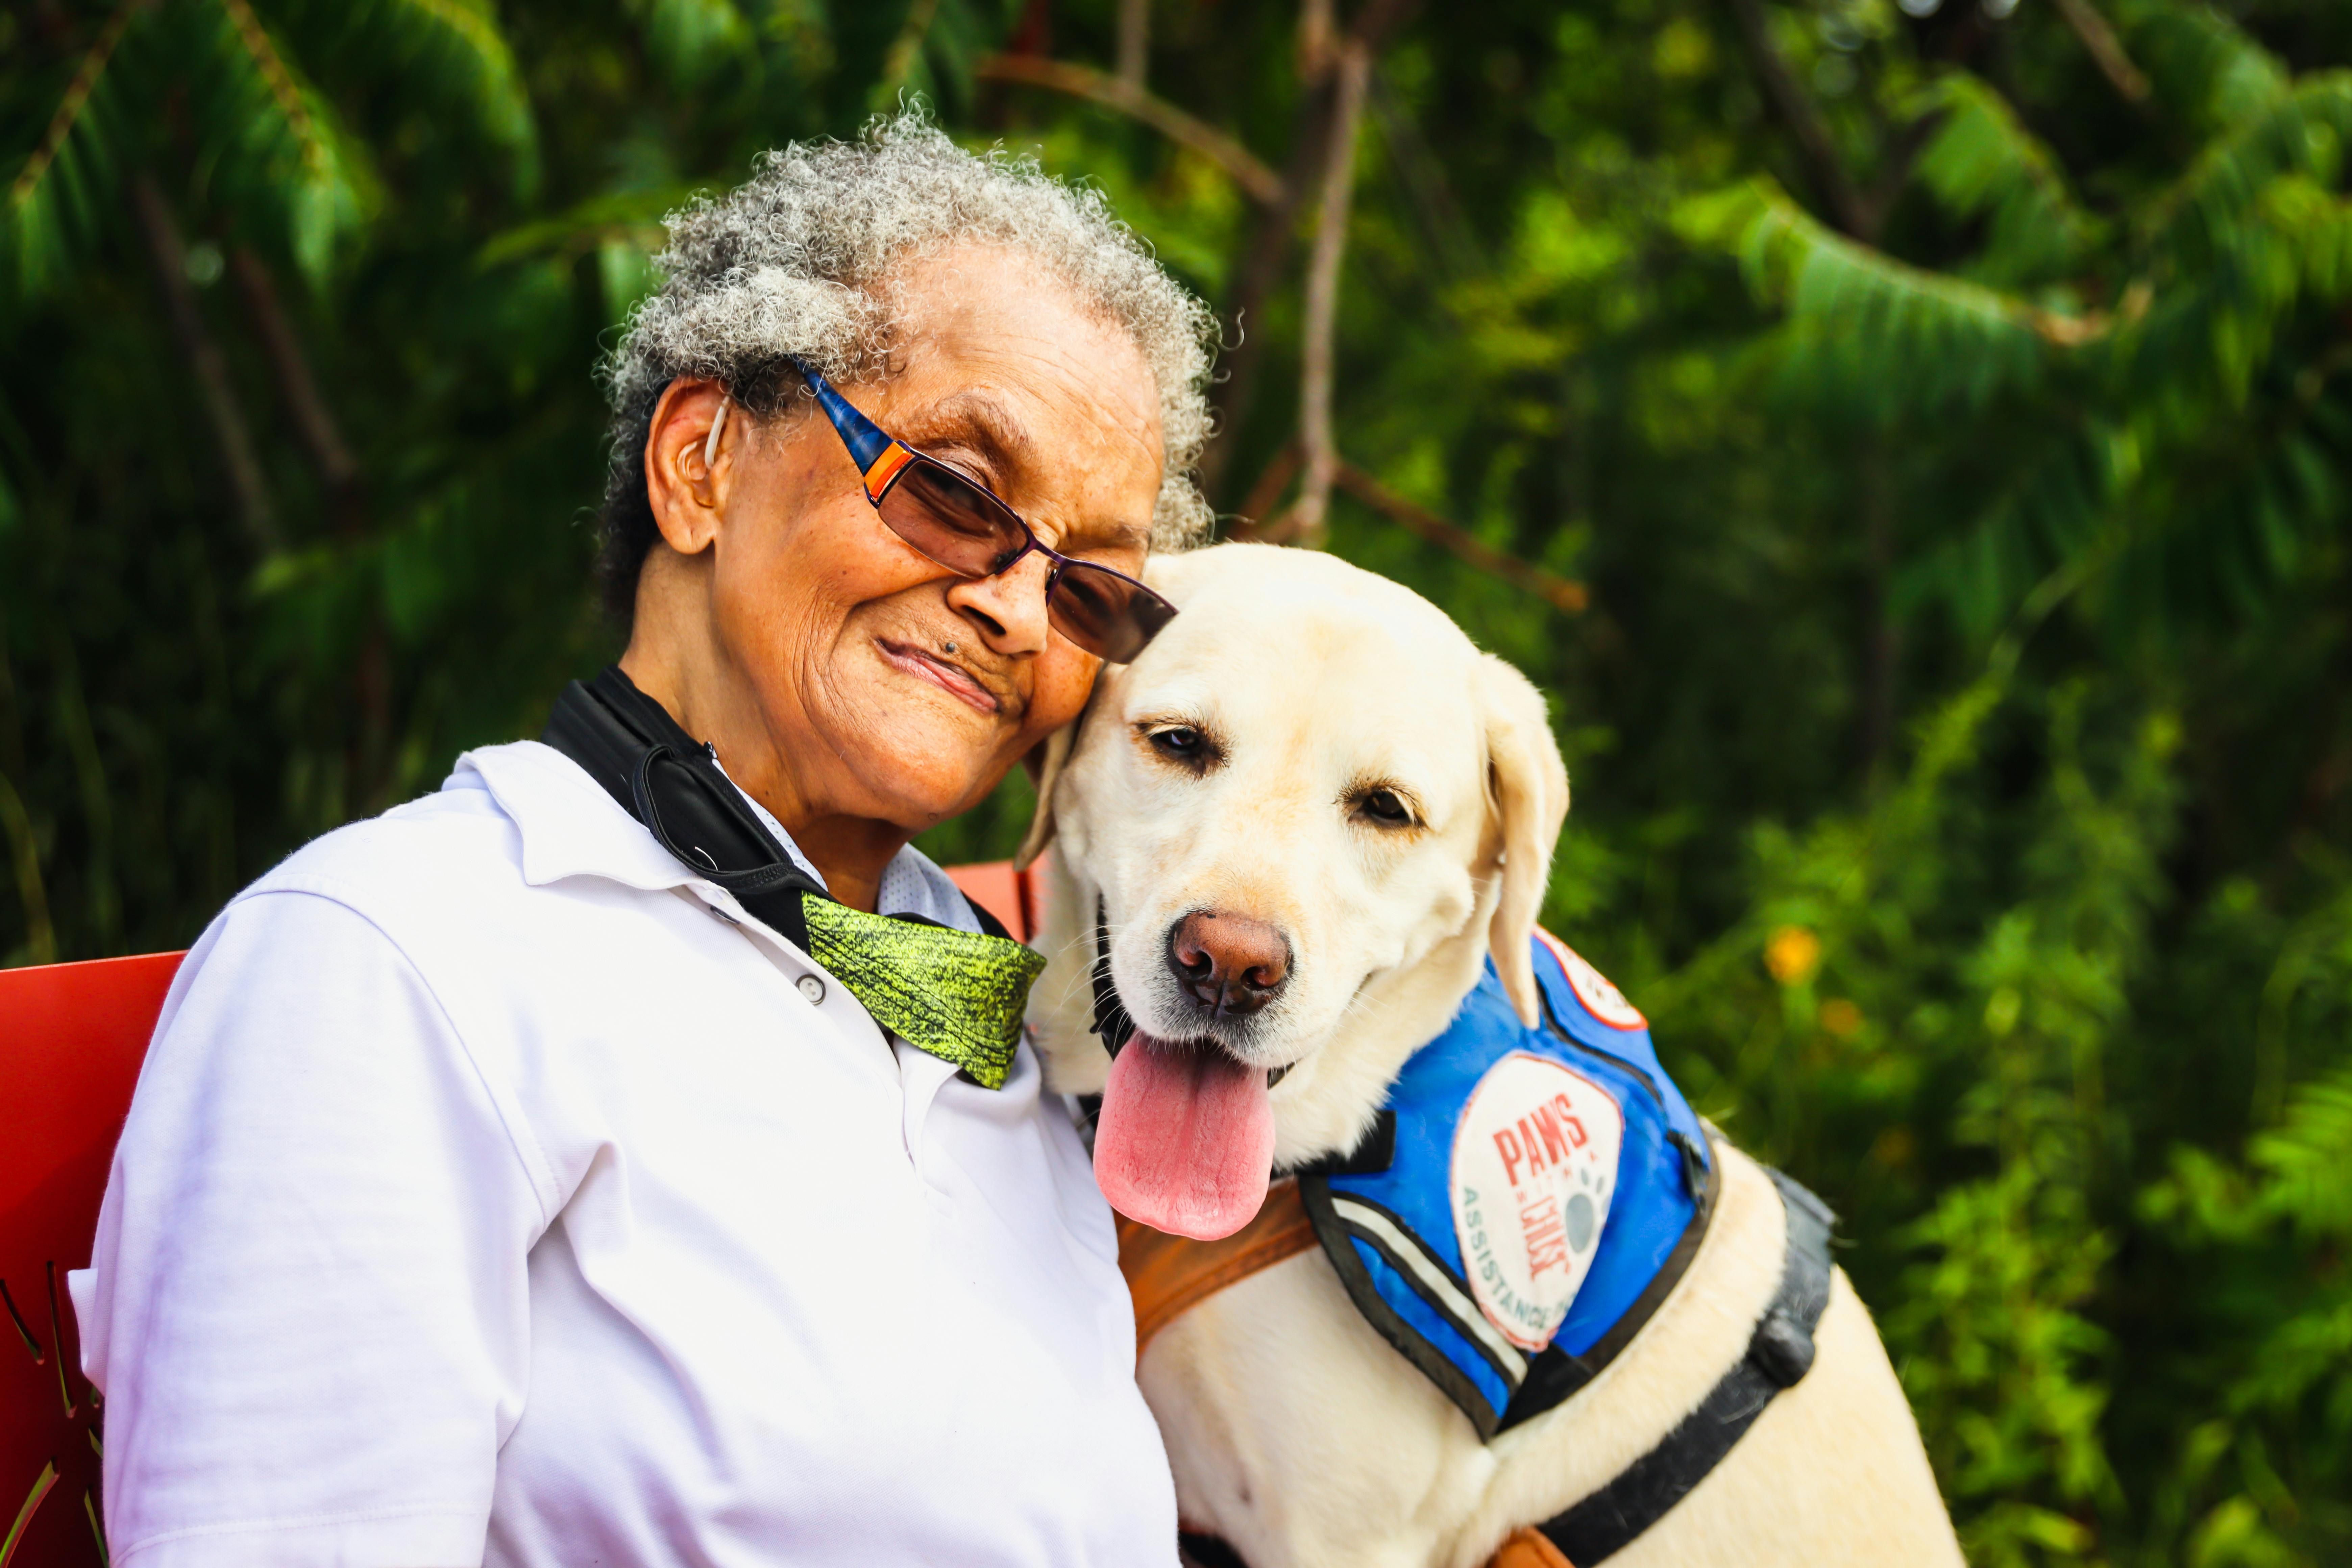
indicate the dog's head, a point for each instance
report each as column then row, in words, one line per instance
column 1304, row 813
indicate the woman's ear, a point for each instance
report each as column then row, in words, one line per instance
column 1528, row 787
column 689, row 445
column 1046, row 761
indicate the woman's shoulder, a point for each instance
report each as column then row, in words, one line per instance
column 455, row 841
column 513, row 832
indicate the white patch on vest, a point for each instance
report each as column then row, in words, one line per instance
column 1592, row 988
column 1534, row 1165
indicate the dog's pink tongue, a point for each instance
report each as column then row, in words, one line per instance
column 1185, row 1140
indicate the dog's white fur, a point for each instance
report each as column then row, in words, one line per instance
column 1297, row 1433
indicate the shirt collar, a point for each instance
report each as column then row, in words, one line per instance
column 571, row 827
column 912, row 883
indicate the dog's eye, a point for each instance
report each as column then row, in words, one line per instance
column 1383, row 806
column 1187, row 746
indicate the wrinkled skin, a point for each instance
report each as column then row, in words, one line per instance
column 778, row 618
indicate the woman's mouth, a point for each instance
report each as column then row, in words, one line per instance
column 941, row 673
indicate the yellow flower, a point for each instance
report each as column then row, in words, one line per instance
column 1792, row 953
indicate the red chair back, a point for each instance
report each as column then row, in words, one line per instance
column 1016, row 898
column 72, row 1038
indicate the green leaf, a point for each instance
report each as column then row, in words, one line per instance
column 691, row 38
column 267, row 140
column 64, row 193
column 2292, row 131
column 2200, row 60
column 619, row 216
column 1982, row 162
column 448, row 52
column 1867, row 330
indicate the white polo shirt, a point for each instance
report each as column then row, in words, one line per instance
column 497, row 1192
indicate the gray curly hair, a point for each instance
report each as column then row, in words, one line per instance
column 798, row 261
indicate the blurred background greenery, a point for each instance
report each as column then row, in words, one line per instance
column 1908, row 438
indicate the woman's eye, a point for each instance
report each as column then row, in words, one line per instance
column 1383, row 807
column 1179, row 743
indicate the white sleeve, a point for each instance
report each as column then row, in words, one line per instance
column 307, row 1305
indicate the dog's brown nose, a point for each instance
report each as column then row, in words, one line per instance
column 1230, row 965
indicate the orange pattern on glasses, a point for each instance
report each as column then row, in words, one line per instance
column 895, row 457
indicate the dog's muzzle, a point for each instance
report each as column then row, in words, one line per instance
column 1226, row 967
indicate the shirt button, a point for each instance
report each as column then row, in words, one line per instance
column 812, row 988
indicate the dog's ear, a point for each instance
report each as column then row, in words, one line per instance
column 1526, row 783
column 1044, row 762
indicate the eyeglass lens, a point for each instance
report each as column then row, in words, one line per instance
column 1104, row 613
column 952, row 519
column 969, row 531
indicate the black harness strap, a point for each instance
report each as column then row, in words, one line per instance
column 1205, row 1551
column 1779, row 1353
column 1112, row 1026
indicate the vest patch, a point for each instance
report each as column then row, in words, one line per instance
column 1537, row 1191
column 1534, row 1165
column 1595, row 990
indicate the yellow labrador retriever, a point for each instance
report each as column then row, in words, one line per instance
column 1288, row 836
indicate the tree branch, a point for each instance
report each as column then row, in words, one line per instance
column 1265, row 495
column 1255, row 276
column 272, row 67
column 1129, row 98
column 898, row 62
column 1352, row 73
column 2107, row 49
column 235, row 438
column 1134, row 41
column 1563, row 594
column 1317, row 38
column 1824, row 168
column 313, row 420
column 1268, row 246
column 69, row 108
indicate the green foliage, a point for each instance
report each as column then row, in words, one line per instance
column 1962, row 727
column 450, row 55
column 1983, row 162
column 270, row 144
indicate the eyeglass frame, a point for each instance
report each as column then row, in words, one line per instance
column 883, row 460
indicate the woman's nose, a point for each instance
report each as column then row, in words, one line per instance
column 1010, row 608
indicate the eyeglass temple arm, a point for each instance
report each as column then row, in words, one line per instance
column 864, row 440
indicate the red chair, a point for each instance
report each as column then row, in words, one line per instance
column 1016, row 898
column 71, row 1039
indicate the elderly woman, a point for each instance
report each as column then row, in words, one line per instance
column 576, row 1166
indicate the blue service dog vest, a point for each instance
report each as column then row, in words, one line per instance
column 1526, row 1199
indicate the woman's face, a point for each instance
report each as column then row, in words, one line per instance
column 888, row 688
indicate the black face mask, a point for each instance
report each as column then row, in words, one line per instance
column 671, row 783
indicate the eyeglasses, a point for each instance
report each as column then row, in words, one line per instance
column 959, row 523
